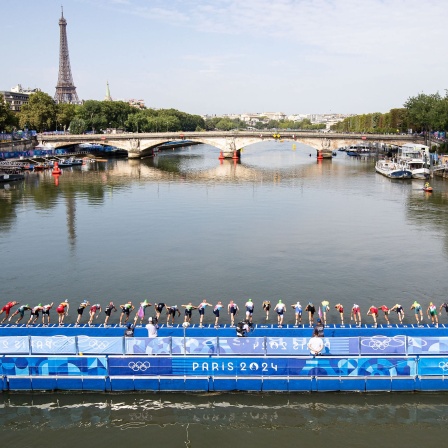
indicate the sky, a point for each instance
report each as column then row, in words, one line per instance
column 232, row 56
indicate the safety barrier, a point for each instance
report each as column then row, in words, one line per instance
column 221, row 346
column 222, row 363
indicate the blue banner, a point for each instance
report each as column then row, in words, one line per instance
column 148, row 346
column 16, row 345
column 298, row 346
column 381, row 345
column 433, row 366
column 194, row 346
column 428, row 345
column 53, row 345
column 100, row 346
column 141, row 365
column 251, row 366
column 60, row 365
column 241, row 346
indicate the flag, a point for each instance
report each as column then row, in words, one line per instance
column 320, row 312
column 141, row 313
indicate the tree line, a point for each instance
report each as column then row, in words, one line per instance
column 43, row 115
column 421, row 113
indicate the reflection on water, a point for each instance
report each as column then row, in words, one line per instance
column 185, row 226
column 180, row 419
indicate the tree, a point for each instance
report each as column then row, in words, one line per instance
column 78, row 126
column 39, row 113
column 64, row 115
column 7, row 117
column 422, row 109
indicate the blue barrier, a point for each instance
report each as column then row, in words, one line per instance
column 220, row 346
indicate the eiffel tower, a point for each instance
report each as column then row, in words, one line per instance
column 65, row 90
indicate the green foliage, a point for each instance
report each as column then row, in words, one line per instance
column 396, row 120
column 78, row 126
column 8, row 119
column 64, row 115
column 39, row 113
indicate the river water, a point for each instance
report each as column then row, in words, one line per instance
column 182, row 227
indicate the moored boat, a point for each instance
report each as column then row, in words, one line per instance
column 415, row 157
column 392, row 169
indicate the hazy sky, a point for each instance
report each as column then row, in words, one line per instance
column 233, row 56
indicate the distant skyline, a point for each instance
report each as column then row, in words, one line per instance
column 233, row 56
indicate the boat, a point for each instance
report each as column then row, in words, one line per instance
column 358, row 150
column 393, row 169
column 427, row 189
column 4, row 177
column 415, row 157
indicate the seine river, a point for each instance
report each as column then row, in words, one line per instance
column 182, row 227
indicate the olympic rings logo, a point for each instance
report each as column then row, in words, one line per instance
column 139, row 366
column 94, row 343
column 381, row 343
column 443, row 365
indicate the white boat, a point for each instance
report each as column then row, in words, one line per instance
column 415, row 157
column 392, row 169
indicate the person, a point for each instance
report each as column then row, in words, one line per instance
column 82, row 306
column 232, row 309
column 399, row 310
column 6, row 309
column 21, row 310
column 188, row 309
column 340, row 308
column 267, row 307
column 93, row 312
column 356, row 315
column 298, row 311
column 171, row 313
column 243, row 328
column 201, row 309
column 281, row 309
column 427, row 185
column 444, row 305
column 315, row 344
column 152, row 327
column 249, row 310
column 34, row 314
column 325, row 310
column 108, row 310
column 418, row 312
column 62, row 311
column 373, row 311
column 432, row 312
column 216, row 311
column 320, row 326
column 311, row 310
column 126, row 311
column 141, row 311
column 159, row 308
column 129, row 330
column 46, row 312
column 386, row 311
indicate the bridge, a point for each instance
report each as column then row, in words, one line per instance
column 228, row 142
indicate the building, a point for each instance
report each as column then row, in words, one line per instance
column 17, row 97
